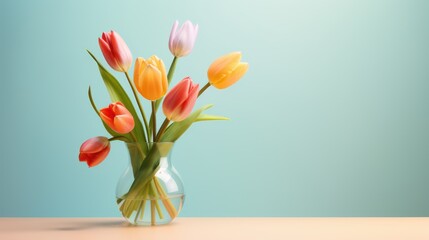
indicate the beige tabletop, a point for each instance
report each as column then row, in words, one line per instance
column 217, row 228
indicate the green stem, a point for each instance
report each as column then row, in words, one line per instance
column 138, row 211
column 153, row 120
column 92, row 101
column 169, row 78
column 138, row 146
column 119, row 138
column 140, row 106
column 142, row 209
column 145, row 192
column 162, row 129
column 164, row 198
column 204, row 88
column 156, row 198
column 152, row 212
column 172, row 69
column 136, row 163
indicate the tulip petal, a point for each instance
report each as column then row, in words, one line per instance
column 182, row 40
column 106, row 37
column 177, row 95
column 232, row 77
column 123, row 123
column 186, row 107
column 143, row 63
column 83, row 157
column 95, row 159
column 194, row 35
column 94, row 150
column 137, row 69
column 222, row 66
column 177, row 43
column 164, row 80
column 119, row 109
column 173, row 35
column 110, row 113
column 150, row 78
column 152, row 89
column 180, row 100
column 107, row 115
column 120, row 51
column 107, row 53
column 95, row 144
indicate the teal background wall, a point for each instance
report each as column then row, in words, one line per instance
column 330, row 120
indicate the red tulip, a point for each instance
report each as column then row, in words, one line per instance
column 178, row 103
column 94, row 150
column 118, row 118
column 115, row 51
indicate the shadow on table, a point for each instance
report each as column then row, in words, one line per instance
column 70, row 224
column 77, row 226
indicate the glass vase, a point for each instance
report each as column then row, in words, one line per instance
column 150, row 191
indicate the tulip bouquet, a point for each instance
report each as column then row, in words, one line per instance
column 147, row 143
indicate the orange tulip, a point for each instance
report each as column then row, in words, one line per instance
column 180, row 100
column 94, row 150
column 118, row 118
column 150, row 77
column 226, row 70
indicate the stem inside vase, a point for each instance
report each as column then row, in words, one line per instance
column 157, row 200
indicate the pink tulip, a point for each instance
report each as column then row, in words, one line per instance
column 115, row 51
column 178, row 103
column 182, row 40
column 94, row 150
column 118, row 118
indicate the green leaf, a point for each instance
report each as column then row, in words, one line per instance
column 175, row 130
column 205, row 117
column 117, row 93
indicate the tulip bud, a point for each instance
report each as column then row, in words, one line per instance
column 115, row 51
column 226, row 70
column 118, row 118
column 94, row 150
column 180, row 100
column 182, row 40
column 150, row 77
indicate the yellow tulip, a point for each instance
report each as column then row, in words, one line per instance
column 150, row 78
column 226, row 70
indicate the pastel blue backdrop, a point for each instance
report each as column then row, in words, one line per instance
column 330, row 120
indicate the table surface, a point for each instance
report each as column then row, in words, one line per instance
column 217, row 228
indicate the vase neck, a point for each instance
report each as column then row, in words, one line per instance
column 165, row 162
column 161, row 149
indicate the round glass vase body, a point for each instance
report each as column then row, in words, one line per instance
column 150, row 191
